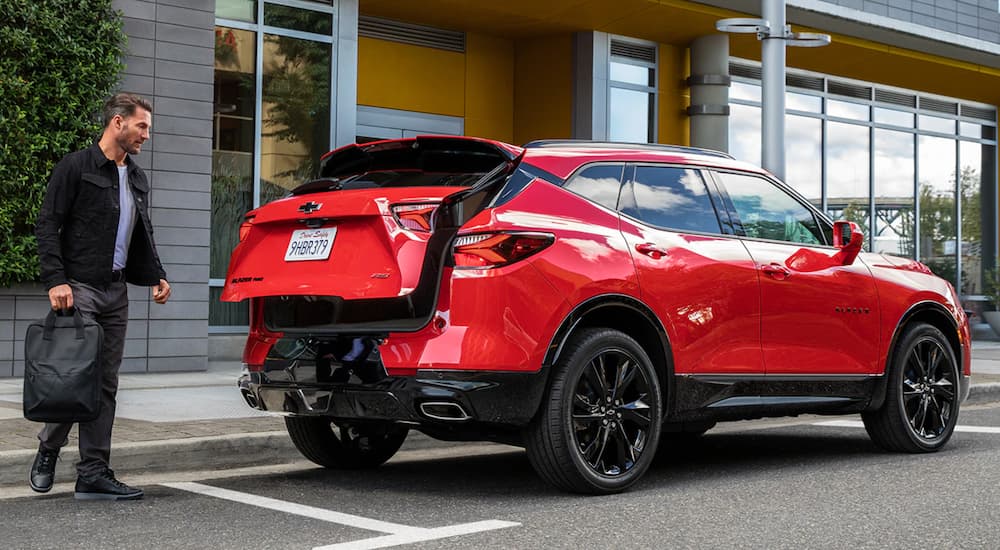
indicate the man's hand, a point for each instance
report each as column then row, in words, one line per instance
column 161, row 292
column 61, row 297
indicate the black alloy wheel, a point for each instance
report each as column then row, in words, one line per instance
column 599, row 430
column 922, row 401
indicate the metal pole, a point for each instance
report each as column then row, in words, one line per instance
column 773, row 88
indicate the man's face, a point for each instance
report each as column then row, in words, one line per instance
column 132, row 131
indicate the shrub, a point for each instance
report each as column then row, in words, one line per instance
column 59, row 60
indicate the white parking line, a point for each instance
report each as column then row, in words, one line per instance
column 860, row 424
column 398, row 533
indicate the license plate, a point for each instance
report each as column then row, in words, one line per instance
column 310, row 244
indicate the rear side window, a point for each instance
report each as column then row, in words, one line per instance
column 769, row 212
column 672, row 198
column 599, row 183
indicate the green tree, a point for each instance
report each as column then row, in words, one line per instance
column 60, row 59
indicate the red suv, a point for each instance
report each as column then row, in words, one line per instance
column 589, row 301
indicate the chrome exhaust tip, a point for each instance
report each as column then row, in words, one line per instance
column 444, row 410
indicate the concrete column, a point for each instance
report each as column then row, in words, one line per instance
column 709, row 82
column 773, row 89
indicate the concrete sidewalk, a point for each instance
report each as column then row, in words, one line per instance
column 198, row 421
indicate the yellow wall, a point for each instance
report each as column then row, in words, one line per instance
column 412, row 78
column 673, row 124
column 489, row 93
column 543, row 88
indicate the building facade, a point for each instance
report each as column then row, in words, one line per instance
column 893, row 125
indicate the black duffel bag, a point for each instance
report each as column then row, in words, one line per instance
column 62, row 368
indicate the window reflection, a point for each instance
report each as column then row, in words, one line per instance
column 768, row 212
column 672, row 198
column 893, row 117
column 599, row 183
column 232, row 157
column 633, row 74
column 846, row 109
column 936, row 124
column 296, row 113
column 743, row 90
column 970, row 185
column 847, row 174
column 803, row 102
column 744, row 132
column 804, row 161
column 936, row 193
column 630, row 116
column 240, row 10
column 893, row 193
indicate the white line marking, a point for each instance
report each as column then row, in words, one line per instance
column 297, row 509
column 398, row 533
column 859, row 424
column 427, row 534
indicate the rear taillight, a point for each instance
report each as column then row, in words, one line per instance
column 260, row 340
column 415, row 217
column 487, row 250
column 245, row 226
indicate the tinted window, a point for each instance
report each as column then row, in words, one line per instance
column 674, row 198
column 768, row 212
column 599, row 183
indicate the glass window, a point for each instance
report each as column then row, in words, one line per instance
column 847, row 173
column 846, row 109
column 894, row 161
column 297, row 19
column 632, row 74
column 893, row 117
column 296, row 113
column 599, row 183
column 936, row 124
column 240, row 10
column 937, row 205
column 803, row 102
column 970, row 129
column 744, row 132
column 970, row 185
column 672, row 198
column 232, row 158
column 768, row 212
column 804, row 161
column 744, row 90
column 630, row 116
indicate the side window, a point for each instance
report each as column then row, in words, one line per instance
column 599, row 183
column 672, row 198
column 768, row 212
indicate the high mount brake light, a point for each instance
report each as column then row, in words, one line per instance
column 415, row 217
column 245, row 227
column 488, row 250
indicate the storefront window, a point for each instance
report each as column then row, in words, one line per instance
column 894, row 163
column 936, row 195
column 925, row 167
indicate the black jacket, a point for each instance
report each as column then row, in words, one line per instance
column 79, row 218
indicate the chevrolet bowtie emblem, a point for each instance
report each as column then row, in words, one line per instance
column 310, row 207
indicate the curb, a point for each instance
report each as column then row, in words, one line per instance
column 219, row 452
column 984, row 393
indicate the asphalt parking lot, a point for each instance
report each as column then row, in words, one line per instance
column 790, row 483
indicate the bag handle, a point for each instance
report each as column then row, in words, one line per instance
column 50, row 322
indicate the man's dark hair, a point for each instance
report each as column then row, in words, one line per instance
column 124, row 104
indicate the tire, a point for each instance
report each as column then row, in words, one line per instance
column 604, row 390
column 922, row 394
column 345, row 446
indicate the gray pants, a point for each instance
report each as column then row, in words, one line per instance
column 109, row 307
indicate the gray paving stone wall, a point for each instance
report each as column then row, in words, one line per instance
column 973, row 18
column 171, row 60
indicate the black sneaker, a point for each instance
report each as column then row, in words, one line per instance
column 104, row 486
column 43, row 470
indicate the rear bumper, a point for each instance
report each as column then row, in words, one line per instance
column 431, row 398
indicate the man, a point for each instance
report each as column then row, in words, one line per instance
column 94, row 235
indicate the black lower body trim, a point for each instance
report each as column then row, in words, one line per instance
column 723, row 397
